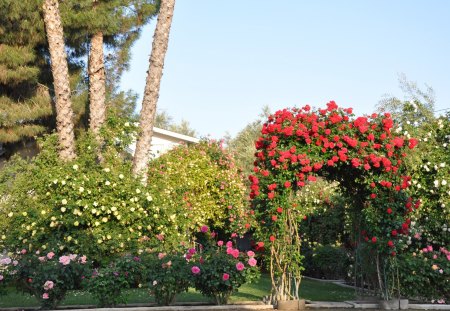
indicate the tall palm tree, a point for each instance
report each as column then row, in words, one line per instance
column 60, row 72
column 151, row 92
column 97, row 89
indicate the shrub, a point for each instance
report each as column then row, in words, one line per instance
column 5, row 277
column 199, row 184
column 107, row 283
column 79, row 206
column 47, row 277
column 327, row 261
column 425, row 274
column 168, row 275
column 219, row 270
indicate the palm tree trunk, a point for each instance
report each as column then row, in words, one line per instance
column 153, row 81
column 60, row 72
column 97, row 88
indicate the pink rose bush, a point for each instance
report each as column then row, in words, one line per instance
column 220, row 268
column 46, row 277
column 169, row 274
column 425, row 274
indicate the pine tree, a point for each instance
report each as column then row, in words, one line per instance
column 153, row 82
column 25, row 101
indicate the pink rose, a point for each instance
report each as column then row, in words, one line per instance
column 65, row 260
column 233, row 235
column 45, row 296
column 1, row 277
column 230, row 250
column 5, row 261
column 195, row 270
column 48, row 285
column 430, row 248
column 192, row 251
column 225, row 276
column 204, row 229
column 229, row 244
column 42, row 259
column 252, row 262
column 161, row 255
column 23, row 251
column 72, row 257
column 220, row 243
column 50, row 255
column 250, row 254
column 83, row 259
column 240, row 266
column 235, row 253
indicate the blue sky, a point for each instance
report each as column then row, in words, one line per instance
column 228, row 59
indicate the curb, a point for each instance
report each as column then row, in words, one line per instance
column 240, row 306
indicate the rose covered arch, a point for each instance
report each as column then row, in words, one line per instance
column 363, row 154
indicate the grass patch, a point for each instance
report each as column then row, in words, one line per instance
column 310, row 290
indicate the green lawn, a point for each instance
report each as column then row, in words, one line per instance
column 311, row 290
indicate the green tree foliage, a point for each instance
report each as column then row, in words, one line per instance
column 25, row 101
column 243, row 145
column 165, row 121
column 25, row 80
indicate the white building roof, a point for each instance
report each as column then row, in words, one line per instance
column 164, row 140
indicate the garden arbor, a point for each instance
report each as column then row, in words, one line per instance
column 364, row 155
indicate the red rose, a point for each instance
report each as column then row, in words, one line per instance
column 389, row 210
column 374, row 239
column 390, row 243
column 412, row 143
column 394, row 232
column 287, row 184
column 373, row 196
column 272, row 238
column 279, row 210
column 274, row 217
column 311, row 178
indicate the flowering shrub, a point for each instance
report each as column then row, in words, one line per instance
column 199, row 184
column 5, row 277
column 431, row 181
column 219, row 270
column 168, row 275
column 363, row 155
column 46, row 276
column 106, row 284
column 75, row 207
column 426, row 274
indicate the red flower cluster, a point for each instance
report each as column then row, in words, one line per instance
column 299, row 145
